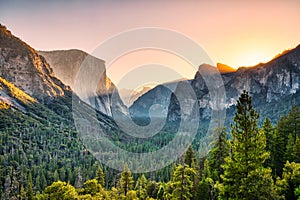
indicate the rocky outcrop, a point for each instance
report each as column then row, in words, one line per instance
column 268, row 83
column 156, row 101
column 27, row 83
column 21, row 65
column 66, row 65
column 224, row 69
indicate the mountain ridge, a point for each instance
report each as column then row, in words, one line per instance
column 267, row 82
column 66, row 65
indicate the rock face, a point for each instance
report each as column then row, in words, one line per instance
column 66, row 65
column 28, row 84
column 129, row 95
column 269, row 84
column 21, row 65
column 156, row 101
column 224, row 69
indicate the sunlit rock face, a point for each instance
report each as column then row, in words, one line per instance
column 268, row 83
column 21, row 65
column 66, row 65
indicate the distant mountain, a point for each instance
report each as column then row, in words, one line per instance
column 129, row 96
column 26, row 74
column 66, row 66
column 274, row 83
column 155, row 100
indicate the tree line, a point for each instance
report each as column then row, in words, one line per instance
column 248, row 163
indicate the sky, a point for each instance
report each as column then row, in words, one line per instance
column 236, row 33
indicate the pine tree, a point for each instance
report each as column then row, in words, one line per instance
column 182, row 182
column 189, row 157
column 100, row 177
column 244, row 176
column 126, row 181
column 29, row 192
column 268, row 130
column 296, row 150
column 22, row 195
column 190, row 160
column 61, row 190
column 289, row 148
column 293, row 121
column 270, row 134
column 290, row 180
column 218, row 154
column 92, row 187
column 141, row 186
column 206, row 187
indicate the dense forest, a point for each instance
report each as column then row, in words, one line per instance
column 47, row 161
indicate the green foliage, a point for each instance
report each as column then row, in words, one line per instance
column 61, row 191
column 92, row 187
column 100, row 177
column 182, row 182
column 297, row 192
column 39, row 147
column 190, row 157
column 244, row 176
column 29, row 192
column 218, row 154
column 141, row 187
column 296, row 150
column 126, row 181
column 290, row 180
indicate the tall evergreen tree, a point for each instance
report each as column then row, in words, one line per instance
column 218, row 154
column 296, row 150
column 268, row 130
column 293, row 121
column 290, row 180
column 189, row 157
column 141, row 186
column 244, row 176
column 182, row 182
column 190, row 160
column 289, row 148
column 29, row 192
column 100, row 177
column 206, row 187
column 126, row 181
column 270, row 134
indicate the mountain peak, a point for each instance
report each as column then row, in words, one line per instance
column 22, row 66
column 223, row 69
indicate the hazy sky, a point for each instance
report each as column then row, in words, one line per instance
column 233, row 32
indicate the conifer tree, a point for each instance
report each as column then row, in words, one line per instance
column 190, row 160
column 141, row 186
column 218, row 154
column 206, row 189
column 290, row 180
column 289, row 148
column 182, row 182
column 270, row 133
column 126, row 181
column 244, row 176
column 29, row 192
column 189, row 157
column 100, row 177
column 293, row 121
column 296, row 150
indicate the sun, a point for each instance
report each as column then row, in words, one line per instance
column 252, row 57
